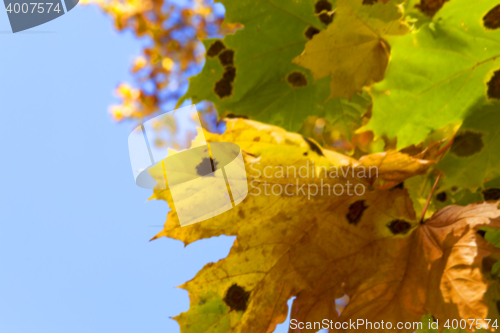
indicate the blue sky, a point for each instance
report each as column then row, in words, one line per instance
column 74, row 228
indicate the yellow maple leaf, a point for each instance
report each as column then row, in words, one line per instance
column 352, row 49
column 391, row 267
column 369, row 248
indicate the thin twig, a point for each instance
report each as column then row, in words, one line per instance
column 448, row 145
column 440, row 152
column 429, row 198
column 386, row 185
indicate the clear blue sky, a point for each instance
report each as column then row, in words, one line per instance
column 74, row 228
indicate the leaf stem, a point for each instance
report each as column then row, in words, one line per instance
column 386, row 185
column 440, row 152
column 429, row 198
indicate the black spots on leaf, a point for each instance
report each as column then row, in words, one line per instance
column 494, row 86
column 356, row 212
column 481, row 233
column 492, row 18
column 441, row 196
column 323, row 9
column 369, row 2
column 430, row 7
column 215, row 48
column 491, row 194
column 223, row 88
column 326, row 18
column 467, row 143
column 206, row 166
column 487, row 265
column 236, row 298
column 400, row 186
column 498, row 306
column 398, row 227
column 296, row 79
column 231, row 115
column 226, row 57
column 314, row 146
column 310, row 32
column 322, row 5
column 229, row 73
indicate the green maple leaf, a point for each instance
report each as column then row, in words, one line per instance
column 251, row 72
column 352, row 49
column 437, row 73
column 474, row 154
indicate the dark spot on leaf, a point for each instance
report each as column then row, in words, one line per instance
column 369, row 2
column 492, row 18
column 494, row 86
column 310, row 32
column 481, row 233
column 297, row 79
column 413, row 149
column 400, row 185
column 215, row 48
column 234, row 116
column 314, row 146
column 229, row 73
column 491, row 194
column 441, row 197
column 326, row 18
column 454, row 189
column 467, row 143
column 322, row 5
column 223, row 88
column 206, row 166
column 498, row 306
column 399, row 227
column 356, row 212
column 226, row 57
column 236, row 298
column 487, row 265
column 305, row 154
column 430, row 7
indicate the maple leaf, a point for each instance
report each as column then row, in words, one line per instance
column 389, row 273
column 395, row 166
column 370, row 247
column 474, row 155
column 251, row 72
column 352, row 49
column 437, row 74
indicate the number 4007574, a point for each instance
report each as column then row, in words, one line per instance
column 33, row 7
column 471, row 323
